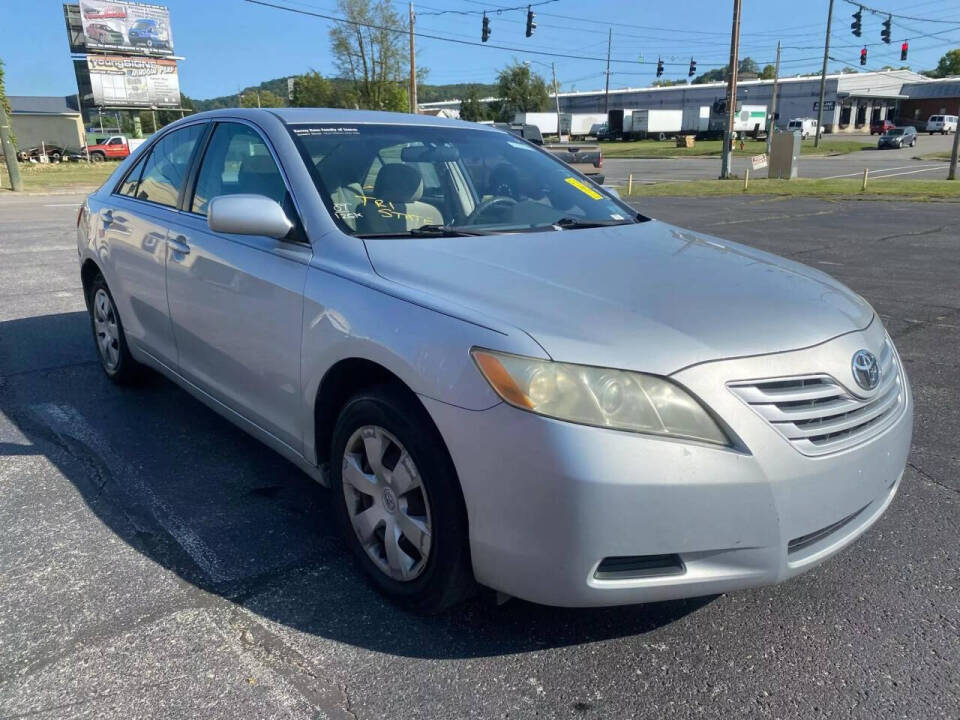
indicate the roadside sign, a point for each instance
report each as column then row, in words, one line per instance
column 759, row 161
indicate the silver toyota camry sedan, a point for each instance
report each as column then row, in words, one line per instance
column 507, row 376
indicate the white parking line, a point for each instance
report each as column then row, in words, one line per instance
column 73, row 204
column 911, row 172
column 857, row 174
column 66, row 421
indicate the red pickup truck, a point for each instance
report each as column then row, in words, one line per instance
column 109, row 148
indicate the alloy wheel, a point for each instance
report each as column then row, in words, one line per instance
column 106, row 329
column 387, row 503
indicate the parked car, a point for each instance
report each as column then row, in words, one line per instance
column 943, row 124
column 506, row 375
column 104, row 34
column 148, row 32
column 586, row 158
column 104, row 13
column 879, row 127
column 54, row 153
column 109, row 148
column 530, row 133
column 805, row 126
column 898, row 137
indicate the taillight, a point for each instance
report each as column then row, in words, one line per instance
column 600, row 161
column 80, row 213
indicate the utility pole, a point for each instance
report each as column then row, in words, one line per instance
column 606, row 92
column 413, row 68
column 952, row 175
column 727, row 164
column 556, row 97
column 9, row 151
column 773, row 102
column 823, row 76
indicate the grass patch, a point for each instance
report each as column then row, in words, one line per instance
column 945, row 155
column 713, row 148
column 65, row 176
column 917, row 190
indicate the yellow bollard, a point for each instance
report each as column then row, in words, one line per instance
column 746, row 179
column 866, row 174
column 630, row 184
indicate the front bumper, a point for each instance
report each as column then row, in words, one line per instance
column 547, row 501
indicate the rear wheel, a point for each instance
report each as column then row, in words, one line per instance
column 97, row 157
column 115, row 358
column 398, row 501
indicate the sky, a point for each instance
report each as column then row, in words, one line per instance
column 231, row 44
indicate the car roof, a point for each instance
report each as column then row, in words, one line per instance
column 295, row 116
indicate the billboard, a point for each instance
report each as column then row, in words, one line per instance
column 119, row 81
column 129, row 27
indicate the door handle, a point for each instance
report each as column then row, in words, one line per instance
column 178, row 244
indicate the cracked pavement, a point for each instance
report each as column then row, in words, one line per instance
column 156, row 562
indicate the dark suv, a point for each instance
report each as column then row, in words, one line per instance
column 898, row 137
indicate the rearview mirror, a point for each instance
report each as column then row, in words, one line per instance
column 248, row 215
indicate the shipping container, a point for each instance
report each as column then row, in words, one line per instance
column 659, row 124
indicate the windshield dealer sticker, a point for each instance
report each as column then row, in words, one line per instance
column 585, row 189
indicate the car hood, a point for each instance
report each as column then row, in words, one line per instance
column 647, row 296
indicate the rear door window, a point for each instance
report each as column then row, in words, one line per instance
column 166, row 167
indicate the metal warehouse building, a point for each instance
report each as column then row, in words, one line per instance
column 851, row 101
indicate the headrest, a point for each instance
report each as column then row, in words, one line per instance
column 397, row 182
column 258, row 165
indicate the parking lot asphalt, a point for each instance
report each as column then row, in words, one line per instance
column 155, row 562
column 901, row 164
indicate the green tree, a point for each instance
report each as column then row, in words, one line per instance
column 371, row 51
column 747, row 65
column 667, row 83
column 949, row 65
column 471, row 108
column 261, row 98
column 311, row 90
column 768, row 72
column 520, row 90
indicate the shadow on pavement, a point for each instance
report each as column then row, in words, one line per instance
column 202, row 499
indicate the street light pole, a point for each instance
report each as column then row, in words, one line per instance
column 413, row 68
column 773, row 102
column 952, row 175
column 556, row 97
column 823, row 76
column 9, row 152
column 606, row 92
column 727, row 163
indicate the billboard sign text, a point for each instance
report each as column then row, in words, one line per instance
column 119, row 81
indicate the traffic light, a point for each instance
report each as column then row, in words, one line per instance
column 485, row 33
column 885, row 33
column 659, row 67
column 693, row 68
column 856, row 25
column 531, row 25
column 903, row 50
column 863, row 56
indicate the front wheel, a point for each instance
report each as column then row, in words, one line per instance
column 398, row 501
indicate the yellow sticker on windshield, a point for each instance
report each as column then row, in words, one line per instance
column 585, row 189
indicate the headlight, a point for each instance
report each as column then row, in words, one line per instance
column 616, row 399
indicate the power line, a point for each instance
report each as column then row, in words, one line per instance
column 498, row 10
column 441, row 38
column 875, row 11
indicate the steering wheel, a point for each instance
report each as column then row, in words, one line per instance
column 500, row 201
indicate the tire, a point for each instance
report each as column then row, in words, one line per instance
column 424, row 579
column 108, row 336
column 97, row 157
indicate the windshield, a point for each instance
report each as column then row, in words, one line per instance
column 398, row 180
column 896, row 131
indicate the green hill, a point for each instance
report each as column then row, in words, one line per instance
column 425, row 93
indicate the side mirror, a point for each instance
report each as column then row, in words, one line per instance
column 248, row 215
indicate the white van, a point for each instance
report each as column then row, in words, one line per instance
column 943, row 124
column 805, row 126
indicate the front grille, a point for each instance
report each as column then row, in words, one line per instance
column 818, row 415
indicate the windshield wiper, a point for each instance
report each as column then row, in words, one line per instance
column 572, row 223
column 426, row 231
